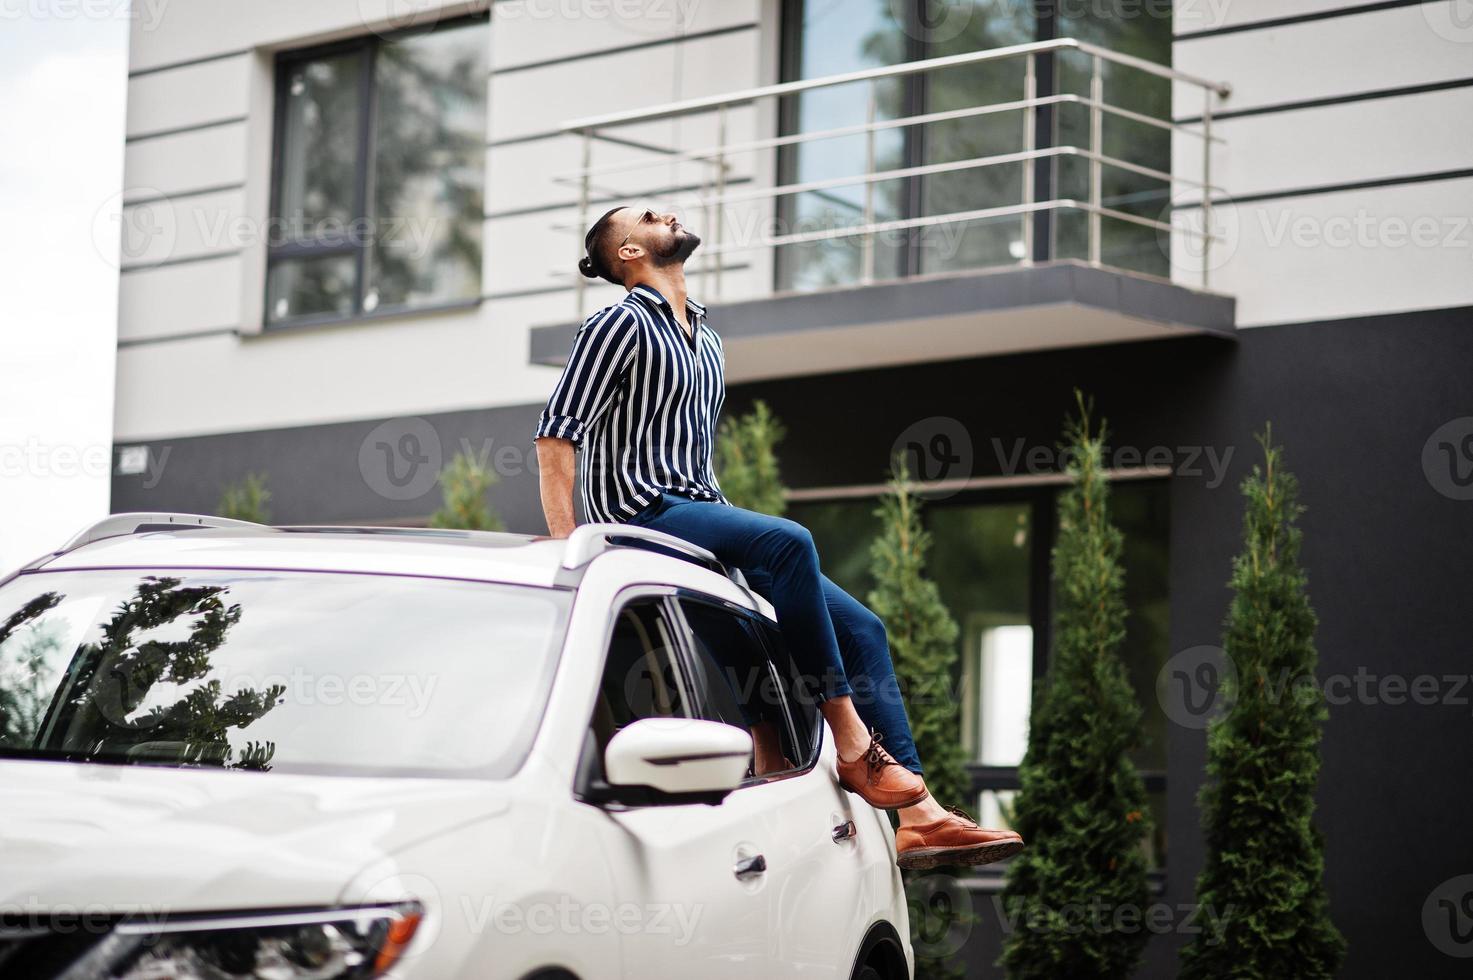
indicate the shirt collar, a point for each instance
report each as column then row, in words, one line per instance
column 651, row 294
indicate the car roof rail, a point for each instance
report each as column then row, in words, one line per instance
column 139, row 522
column 590, row 540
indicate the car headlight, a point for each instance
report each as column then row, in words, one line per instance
column 327, row 945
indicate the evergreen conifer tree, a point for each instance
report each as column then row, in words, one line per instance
column 746, row 461
column 1075, row 894
column 1265, row 859
column 464, row 484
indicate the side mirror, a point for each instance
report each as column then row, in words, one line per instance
column 672, row 761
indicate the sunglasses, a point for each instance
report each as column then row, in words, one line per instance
column 648, row 215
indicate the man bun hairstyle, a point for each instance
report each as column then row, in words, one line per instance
column 598, row 263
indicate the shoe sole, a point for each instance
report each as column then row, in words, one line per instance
column 885, row 806
column 971, row 855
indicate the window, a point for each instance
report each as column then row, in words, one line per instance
column 378, row 175
column 322, row 673
column 990, row 559
column 825, row 37
column 639, row 679
column 737, row 679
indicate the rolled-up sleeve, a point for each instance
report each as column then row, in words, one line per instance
column 603, row 351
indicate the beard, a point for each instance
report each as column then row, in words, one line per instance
column 681, row 245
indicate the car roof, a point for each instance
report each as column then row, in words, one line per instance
column 165, row 540
column 493, row 556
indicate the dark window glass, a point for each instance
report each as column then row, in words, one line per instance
column 287, row 671
column 639, row 678
column 738, row 683
column 380, row 170
column 825, row 37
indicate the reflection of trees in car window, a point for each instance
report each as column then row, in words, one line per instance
column 24, row 678
column 102, row 708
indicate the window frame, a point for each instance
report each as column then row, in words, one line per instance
column 589, row 782
column 367, row 46
column 756, row 627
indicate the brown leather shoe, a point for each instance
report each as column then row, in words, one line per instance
column 954, row 839
column 879, row 780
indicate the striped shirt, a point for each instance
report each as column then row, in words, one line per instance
column 640, row 397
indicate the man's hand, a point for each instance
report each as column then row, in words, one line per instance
column 556, row 472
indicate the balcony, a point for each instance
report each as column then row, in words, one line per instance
column 810, row 270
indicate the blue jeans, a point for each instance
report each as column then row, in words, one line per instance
column 831, row 636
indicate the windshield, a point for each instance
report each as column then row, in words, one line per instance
column 280, row 671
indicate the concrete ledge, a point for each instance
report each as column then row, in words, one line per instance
column 943, row 317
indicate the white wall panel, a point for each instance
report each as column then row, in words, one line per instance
column 188, row 96
column 1376, row 139
column 1327, row 256
column 171, row 229
column 363, row 370
column 175, row 299
column 529, row 31
column 1322, row 59
column 212, row 157
column 1206, row 15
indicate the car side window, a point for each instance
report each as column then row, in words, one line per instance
column 799, row 693
column 639, row 677
column 736, row 682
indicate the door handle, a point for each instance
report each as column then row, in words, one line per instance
column 845, row 831
column 750, row 867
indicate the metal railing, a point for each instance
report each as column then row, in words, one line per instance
column 714, row 197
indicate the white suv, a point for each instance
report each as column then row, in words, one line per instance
column 232, row 750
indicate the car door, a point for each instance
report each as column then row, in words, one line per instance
column 820, row 881
column 685, row 908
